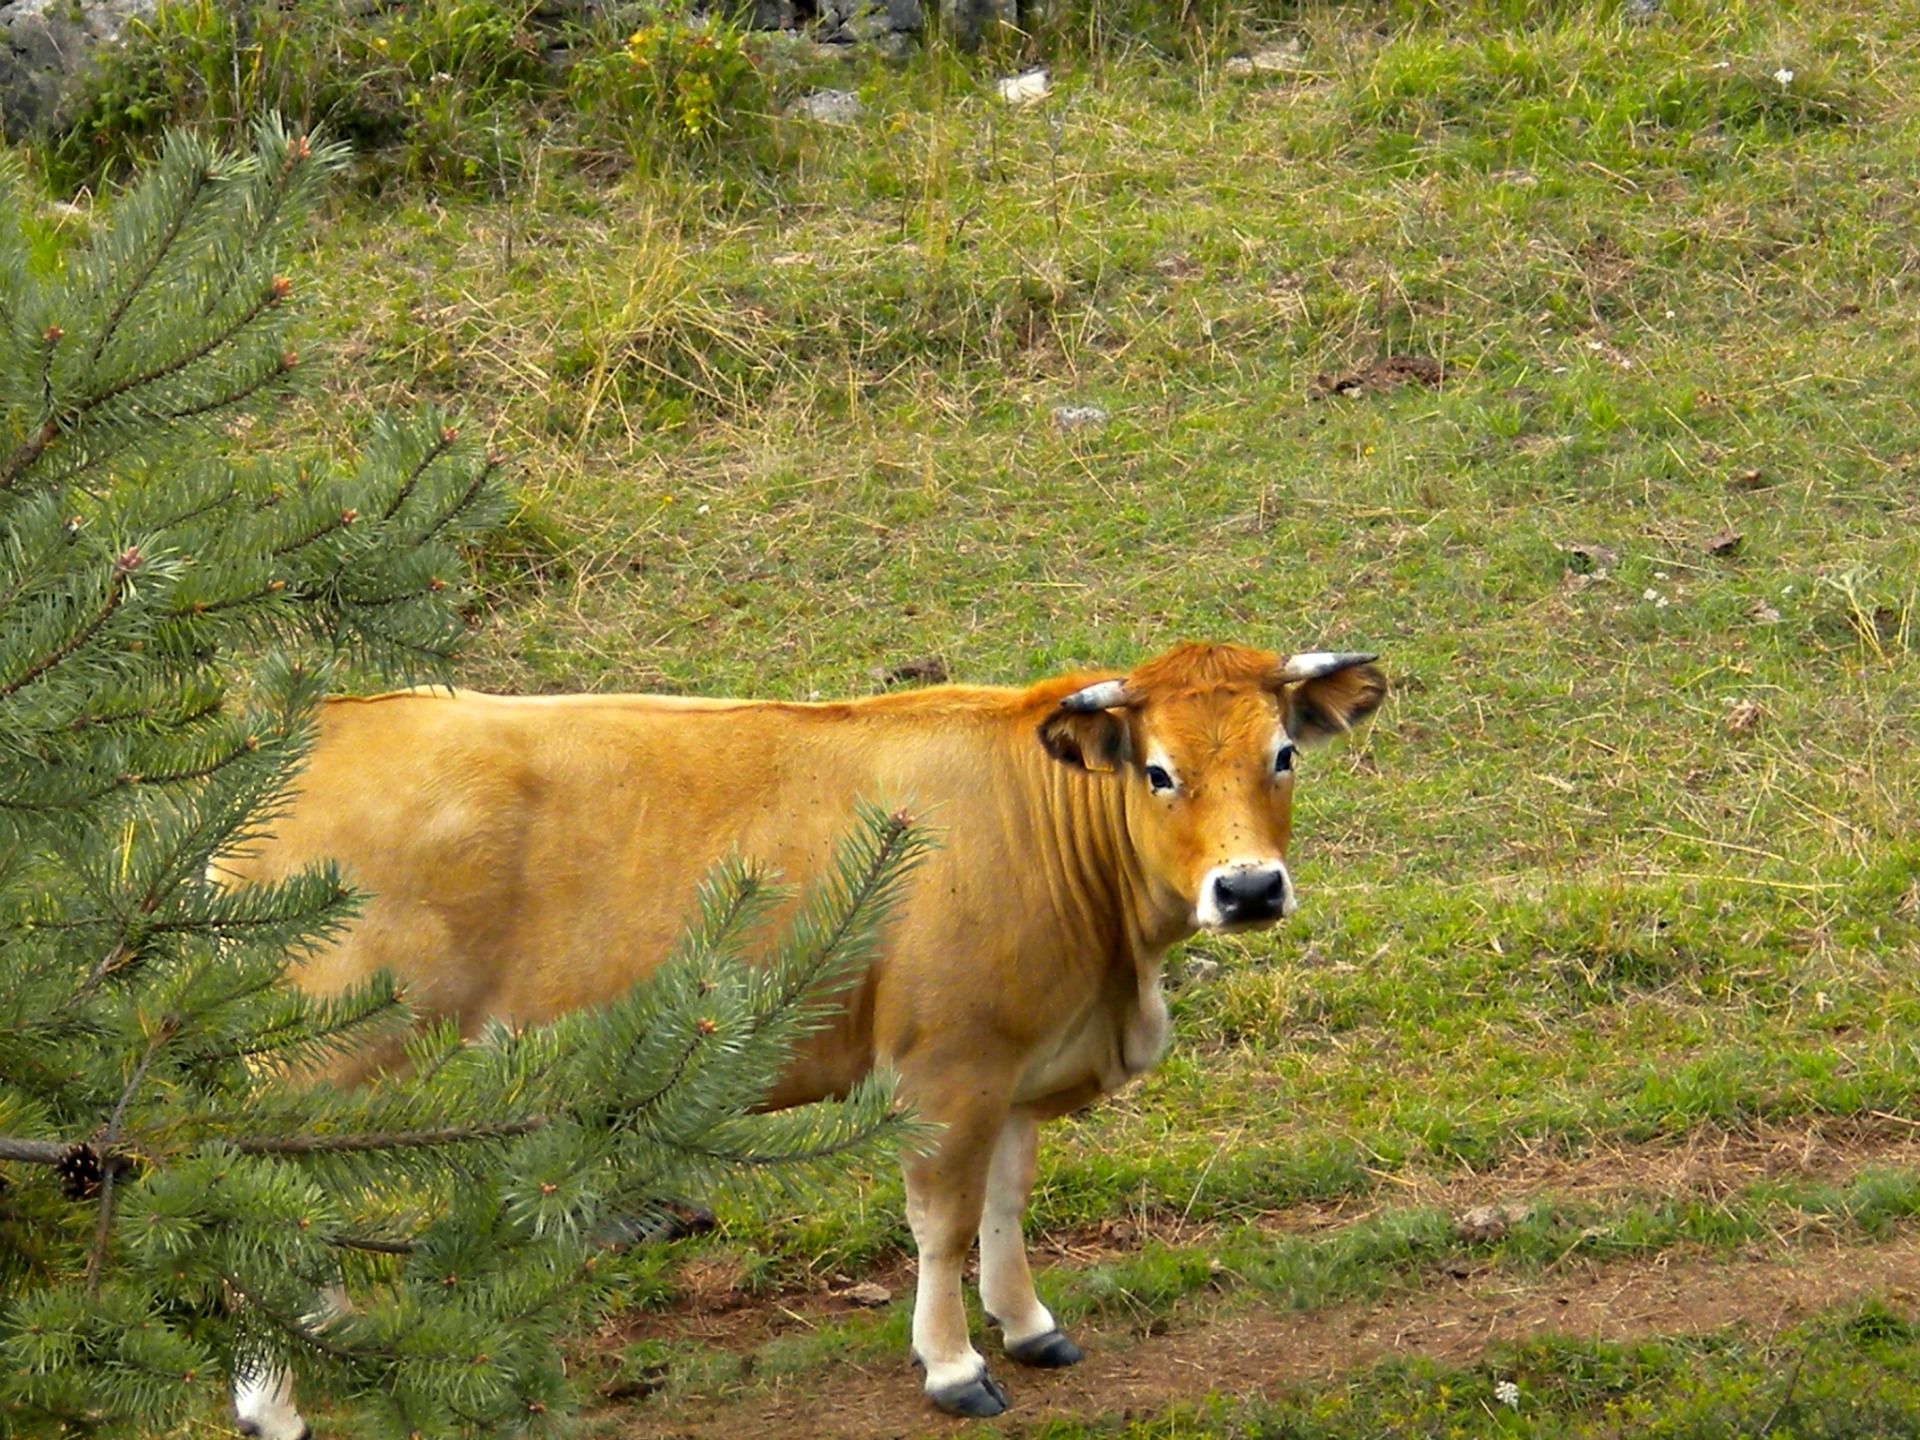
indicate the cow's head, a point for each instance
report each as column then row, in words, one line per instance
column 1204, row 738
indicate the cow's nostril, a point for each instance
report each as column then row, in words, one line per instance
column 1251, row 894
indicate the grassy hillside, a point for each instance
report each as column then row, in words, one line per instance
column 1627, row 868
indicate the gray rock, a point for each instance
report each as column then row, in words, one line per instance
column 1079, row 417
column 865, row 29
column 968, row 21
column 1486, row 1223
column 1198, row 970
column 829, row 107
column 47, row 49
column 905, row 16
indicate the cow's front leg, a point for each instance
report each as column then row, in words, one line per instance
column 1026, row 1326
column 946, row 1191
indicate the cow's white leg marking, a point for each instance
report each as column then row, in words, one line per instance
column 263, row 1396
column 940, row 1340
column 945, row 1197
column 1006, row 1284
column 263, row 1403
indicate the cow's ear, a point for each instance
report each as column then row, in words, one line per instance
column 1096, row 740
column 1334, row 700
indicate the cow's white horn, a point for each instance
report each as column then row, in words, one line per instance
column 1312, row 664
column 1103, row 695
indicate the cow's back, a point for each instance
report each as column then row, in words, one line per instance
column 526, row 856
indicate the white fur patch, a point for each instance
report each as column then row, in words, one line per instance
column 263, row 1404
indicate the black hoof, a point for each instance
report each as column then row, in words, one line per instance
column 658, row 1222
column 977, row 1399
column 1051, row 1351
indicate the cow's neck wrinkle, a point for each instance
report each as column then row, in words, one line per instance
column 1091, row 859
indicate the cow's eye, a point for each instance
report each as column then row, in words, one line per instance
column 1283, row 761
column 1159, row 779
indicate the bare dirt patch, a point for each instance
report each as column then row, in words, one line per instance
column 1387, row 373
column 1254, row 1351
column 1238, row 1349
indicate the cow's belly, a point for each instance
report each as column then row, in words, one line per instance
column 1106, row 1046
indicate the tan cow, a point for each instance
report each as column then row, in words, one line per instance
column 527, row 856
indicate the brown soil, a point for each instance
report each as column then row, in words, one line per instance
column 1241, row 1350
column 1389, row 373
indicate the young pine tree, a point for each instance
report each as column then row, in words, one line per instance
column 173, row 1197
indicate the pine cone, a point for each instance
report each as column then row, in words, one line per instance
column 79, row 1172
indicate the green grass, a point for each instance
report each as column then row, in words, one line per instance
column 1631, row 851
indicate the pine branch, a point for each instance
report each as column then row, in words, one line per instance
column 109, row 1171
column 481, row 481
column 145, row 1003
column 443, row 443
column 857, row 898
column 201, row 173
column 32, row 1152
column 246, row 390
column 336, row 525
column 295, row 1329
column 740, row 1155
column 278, row 288
column 45, row 433
column 124, row 566
column 388, row 1140
column 298, row 1032
column 373, row 1247
column 239, row 395
column 107, row 965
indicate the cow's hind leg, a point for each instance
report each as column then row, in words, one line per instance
column 263, row 1405
column 946, row 1191
column 1027, row 1327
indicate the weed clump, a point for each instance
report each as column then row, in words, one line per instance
column 457, row 93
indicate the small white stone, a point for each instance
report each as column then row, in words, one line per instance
column 1267, row 60
column 1026, row 87
column 704, row 510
